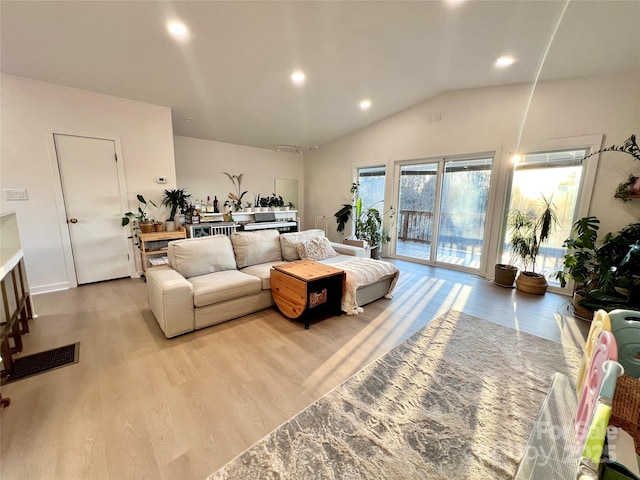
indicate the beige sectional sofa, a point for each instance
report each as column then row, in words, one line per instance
column 213, row 279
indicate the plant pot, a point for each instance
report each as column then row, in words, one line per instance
column 180, row 218
column 170, row 225
column 580, row 311
column 158, row 227
column 533, row 283
column 375, row 252
column 505, row 275
column 146, row 227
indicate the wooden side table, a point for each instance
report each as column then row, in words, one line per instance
column 305, row 289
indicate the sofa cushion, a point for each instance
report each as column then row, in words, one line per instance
column 253, row 248
column 199, row 256
column 289, row 242
column 221, row 286
column 263, row 272
column 316, row 249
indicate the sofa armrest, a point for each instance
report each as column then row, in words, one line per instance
column 349, row 250
column 171, row 300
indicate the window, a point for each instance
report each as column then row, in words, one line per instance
column 371, row 181
column 556, row 175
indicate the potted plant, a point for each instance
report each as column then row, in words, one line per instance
column 582, row 262
column 631, row 187
column 504, row 274
column 275, row 202
column 235, row 199
column 141, row 220
column 177, row 200
column 618, row 272
column 528, row 233
column 367, row 220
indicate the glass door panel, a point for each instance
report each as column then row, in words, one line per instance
column 463, row 211
column 416, row 205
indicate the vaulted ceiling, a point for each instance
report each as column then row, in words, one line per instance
column 229, row 79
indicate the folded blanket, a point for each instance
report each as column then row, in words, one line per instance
column 362, row 272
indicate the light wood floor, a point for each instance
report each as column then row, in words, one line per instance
column 140, row 405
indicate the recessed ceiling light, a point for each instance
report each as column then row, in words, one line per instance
column 365, row 104
column 177, row 29
column 298, row 77
column 505, row 61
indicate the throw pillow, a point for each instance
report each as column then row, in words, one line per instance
column 289, row 242
column 316, row 249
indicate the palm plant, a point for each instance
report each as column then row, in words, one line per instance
column 175, row 199
column 528, row 233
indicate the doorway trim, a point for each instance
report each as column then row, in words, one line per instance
column 65, row 236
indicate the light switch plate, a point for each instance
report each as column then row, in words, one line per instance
column 11, row 194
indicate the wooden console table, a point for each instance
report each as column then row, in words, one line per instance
column 305, row 289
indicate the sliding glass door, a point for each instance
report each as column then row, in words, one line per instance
column 463, row 211
column 443, row 209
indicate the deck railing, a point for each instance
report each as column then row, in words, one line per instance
column 461, row 232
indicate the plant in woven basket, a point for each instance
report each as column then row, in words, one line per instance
column 527, row 234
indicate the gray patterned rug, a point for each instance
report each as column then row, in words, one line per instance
column 456, row 400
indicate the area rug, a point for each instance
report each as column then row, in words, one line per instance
column 456, row 400
column 41, row 362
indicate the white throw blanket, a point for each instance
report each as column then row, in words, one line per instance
column 362, row 272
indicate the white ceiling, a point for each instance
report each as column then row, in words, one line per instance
column 232, row 75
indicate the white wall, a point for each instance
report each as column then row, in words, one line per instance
column 488, row 119
column 200, row 163
column 31, row 112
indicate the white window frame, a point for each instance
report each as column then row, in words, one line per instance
column 591, row 143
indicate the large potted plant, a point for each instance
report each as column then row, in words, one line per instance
column 528, row 233
column 177, row 200
column 582, row 262
column 367, row 220
column 618, row 272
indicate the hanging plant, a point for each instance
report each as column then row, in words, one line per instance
column 632, row 185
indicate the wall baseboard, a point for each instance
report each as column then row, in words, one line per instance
column 55, row 287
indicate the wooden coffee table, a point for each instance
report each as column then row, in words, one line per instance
column 305, row 289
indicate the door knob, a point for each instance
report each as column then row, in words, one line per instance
column 73, row 220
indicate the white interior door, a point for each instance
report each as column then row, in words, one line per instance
column 92, row 196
